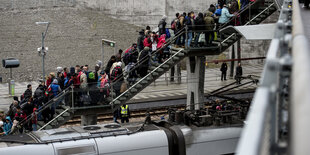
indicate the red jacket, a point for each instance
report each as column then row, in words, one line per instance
column 147, row 42
column 161, row 41
column 48, row 82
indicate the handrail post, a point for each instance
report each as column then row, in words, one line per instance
column 72, row 103
column 186, row 36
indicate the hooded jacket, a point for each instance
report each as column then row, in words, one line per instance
column 7, row 125
column 224, row 18
column 209, row 21
column 55, row 87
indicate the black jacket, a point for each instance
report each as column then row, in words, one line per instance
column 239, row 71
column 224, row 67
column 199, row 23
column 27, row 94
column 162, row 27
column 144, row 55
column 140, row 41
column 109, row 65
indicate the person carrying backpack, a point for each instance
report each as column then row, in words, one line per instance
column 117, row 78
column 174, row 23
column 128, row 54
column 162, row 25
column 144, row 58
column 104, row 86
column 132, row 74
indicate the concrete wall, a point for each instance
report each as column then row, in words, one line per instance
column 146, row 12
column 74, row 37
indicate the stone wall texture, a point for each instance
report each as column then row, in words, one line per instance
column 146, row 12
column 77, row 27
column 74, row 36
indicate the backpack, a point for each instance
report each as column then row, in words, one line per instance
column 126, row 58
column 174, row 24
column 130, row 66
column 91, row 75
column 116, row 72
column 178, row 24
column 68, row 83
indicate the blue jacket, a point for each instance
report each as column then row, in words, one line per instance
column 218, row 12
column 225, row 16
column 55, row 89
column 7, row 126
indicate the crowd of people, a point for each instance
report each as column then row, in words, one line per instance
column 201, row 29
column 94, row 86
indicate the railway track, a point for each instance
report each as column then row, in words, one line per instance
column 136, row 115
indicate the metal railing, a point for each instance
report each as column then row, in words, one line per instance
column 265, row 127
column 299, row 108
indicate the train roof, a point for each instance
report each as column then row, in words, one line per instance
column 76, row 133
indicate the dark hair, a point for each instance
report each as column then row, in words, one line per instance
column 77, row 66
column 81, row 67
column 148, row 28
column 177, row 15
column 188, row 14
column 113, row 57
column 18, row 107
column 65, row 69
column 29, row 85
column 15, row 98
column 120, row 51
column 184, row 13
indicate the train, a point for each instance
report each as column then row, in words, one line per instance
column 156, row 138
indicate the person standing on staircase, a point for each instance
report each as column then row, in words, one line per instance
column 238, row 73
column 162, row 25
column 55, row 89
column 225, row 15
column 189, row 22
column 125, row 113
column 28, row 93
column 209, row 22
column 144, row 59
column 140, row 40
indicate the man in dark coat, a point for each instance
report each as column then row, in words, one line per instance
column 140, row 40
column 223, row 70
column 109, row 65
column 28, row 93
column 238, row 73
column 144, row 60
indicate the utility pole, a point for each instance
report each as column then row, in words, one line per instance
column 43, row 50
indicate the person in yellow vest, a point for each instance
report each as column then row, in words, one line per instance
column 125, row 113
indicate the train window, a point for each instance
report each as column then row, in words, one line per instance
column 89, row 149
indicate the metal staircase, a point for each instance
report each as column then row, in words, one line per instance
column 156, row 70
column 226, row 39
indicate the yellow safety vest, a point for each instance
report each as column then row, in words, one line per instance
column 124, row 111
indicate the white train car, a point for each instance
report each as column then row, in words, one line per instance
column 131, row 139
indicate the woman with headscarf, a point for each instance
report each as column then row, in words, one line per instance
column 162, row 25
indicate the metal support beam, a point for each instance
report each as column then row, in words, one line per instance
column 232, row 63
column 195, row 86
column 239, row 51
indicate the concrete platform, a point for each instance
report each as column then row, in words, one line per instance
column 162, row 89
